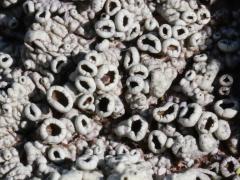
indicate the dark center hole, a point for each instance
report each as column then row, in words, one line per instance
column 130, row 58
column 5, row 59
column 225, row 105
column 32, row 111
column 133, row 84
column 43, row 14
column 209, row 123
column 168, row 111
column 189, row 112
column 88, row 159
column 93, row 58
column 84, row 123
column 103, row 104
column 165, row 31
column 59, row 64
column 53, row 130
column 106, row 28
column 139, row 73
column 134, row 30
column 226, row 79
column 56, row 154
column 125, row 21
column 190, row 17
column 88, row 101
column 84, row 84
column 156, row 142
column 60, row 97
column 172, row 47
column 180, row 31
column 230, row 166
column 86, row 68
column 112, row 6
column 136, row 126
column 205, row 2
column 189, row 74
column 203, row 16
column 149, row 42
column 108, row 78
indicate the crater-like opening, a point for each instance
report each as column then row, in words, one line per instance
column 103, row 104
column 56, row 154
column 5, row 59
column 226, row 79
column 134, row 30
column 225, row 105
column 84, row 123
column 156, row 142
column 87, row 101
column 209, row 123
column 112, row 6
column 53, row 130
column 42, row 15
column 93, row 58
column 106, row 28
column 136, row 126
column 180, row 31
column 203, row 16
column 172, row 48
column 32, row 111
column 60, row 97
column 59, row 64
column 88, row 159
column 230, row 166
column 168, row 111
column 108, row 78
column 149, row 42
column 84, row 84
column 189, row 112
column 86, row 68
column 165, row 31
column 205, row 2
column 139, row 73
column 133, row 84
column 125, row 20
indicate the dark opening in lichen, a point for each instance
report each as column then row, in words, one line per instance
column 60, row 97
column 86, row 68
column 108, row 78
column 103, row 104
column 112, row 6
column 168, row 111
column 136, row 126
column 209, row 123
column 133, row 84
column 53, row 130
column 56, row 154
column 225, row 105
column 149, row 42
column 84, row 123
column 87, row 101
column 156, row 142
column 180, row 31
column 85, row 85
column 125, row 20
column 230, row 166
column 189, row 112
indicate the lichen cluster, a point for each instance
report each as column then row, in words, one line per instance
column 119, row 90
